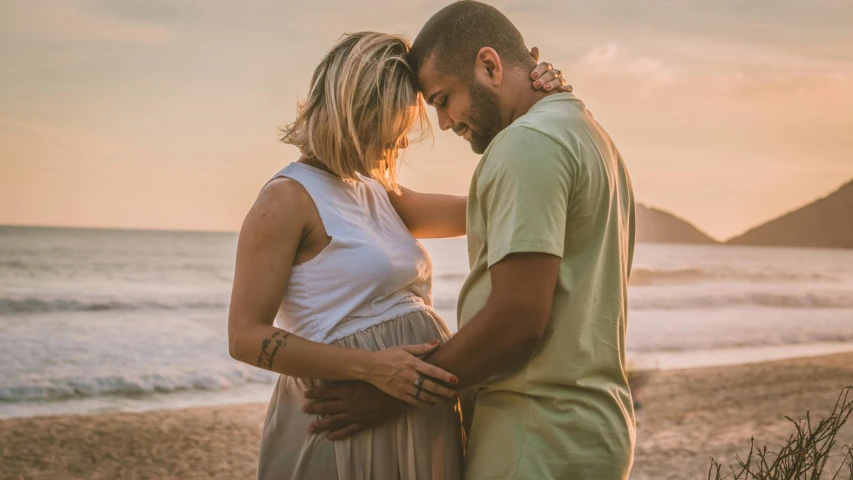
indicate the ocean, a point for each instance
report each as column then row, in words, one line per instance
column 119, row 320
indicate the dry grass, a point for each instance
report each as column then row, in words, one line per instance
column 808, row 454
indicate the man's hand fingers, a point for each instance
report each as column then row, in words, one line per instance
column 324, row 408
column 325, row 392
column 313, row 393
column 335, row 422
column 347, row 431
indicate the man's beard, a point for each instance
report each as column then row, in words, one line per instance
column 485, row 115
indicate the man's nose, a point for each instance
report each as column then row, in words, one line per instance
column 444, row 121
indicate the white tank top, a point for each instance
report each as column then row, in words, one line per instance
column 372, row 271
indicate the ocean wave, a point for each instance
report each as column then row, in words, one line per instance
column 63, row 388
column 832, row 299
column 837, row 299
column 452, row 277
column 444, row 303
column 641, row 276
column 692, row 343
column 649, row 276
column 12, row 264
column 29, row 304
column 705, row 330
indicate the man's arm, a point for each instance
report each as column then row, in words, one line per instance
column 523, row 193
column 504, row 334
column 500, row 337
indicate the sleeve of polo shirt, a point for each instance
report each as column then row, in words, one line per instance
column 524, row 190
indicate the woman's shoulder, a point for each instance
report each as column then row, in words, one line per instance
column 283, row 203
column 283, row 192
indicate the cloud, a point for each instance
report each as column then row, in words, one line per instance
column 65, row 21
column 608, row 59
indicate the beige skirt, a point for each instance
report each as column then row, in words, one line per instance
column 423, row 444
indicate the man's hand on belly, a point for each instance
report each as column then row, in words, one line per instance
column 350, row 407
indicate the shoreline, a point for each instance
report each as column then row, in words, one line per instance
column 688, row 415
column 722, row 357
column 643, row 363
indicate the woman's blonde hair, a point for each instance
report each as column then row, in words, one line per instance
column 361, row 108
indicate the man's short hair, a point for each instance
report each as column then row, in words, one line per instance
column 455, row 35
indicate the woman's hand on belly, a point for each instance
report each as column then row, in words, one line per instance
column 399, row 372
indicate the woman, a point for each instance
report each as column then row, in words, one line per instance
column 329, row 250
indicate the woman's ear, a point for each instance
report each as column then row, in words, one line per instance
column 487, row 68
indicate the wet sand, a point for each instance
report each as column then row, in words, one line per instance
column 687, row 416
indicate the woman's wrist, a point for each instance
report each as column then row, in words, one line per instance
column 361, row 365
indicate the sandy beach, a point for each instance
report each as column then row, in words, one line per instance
column 687, row 417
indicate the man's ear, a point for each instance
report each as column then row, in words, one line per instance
column 488, row 68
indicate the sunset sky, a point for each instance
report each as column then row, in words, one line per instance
column 163, row 114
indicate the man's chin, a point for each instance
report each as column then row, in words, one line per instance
column 479, row 146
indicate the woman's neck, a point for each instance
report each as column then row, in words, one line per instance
column 313, row 162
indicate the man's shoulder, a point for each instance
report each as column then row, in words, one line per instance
column 547, row 124
column 518, row 135
column 555, row 116
column 513, row 149
column 545, row 132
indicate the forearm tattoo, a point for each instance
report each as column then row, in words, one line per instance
column 266, row 357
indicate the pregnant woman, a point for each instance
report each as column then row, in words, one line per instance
column 331, row 285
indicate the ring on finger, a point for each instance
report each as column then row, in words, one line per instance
column 419, row 383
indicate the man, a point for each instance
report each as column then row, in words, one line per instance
column 541, row 345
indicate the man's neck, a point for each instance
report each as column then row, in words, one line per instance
column 523, row 97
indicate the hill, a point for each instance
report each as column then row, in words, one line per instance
column 826, row 223
column 658, row 226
